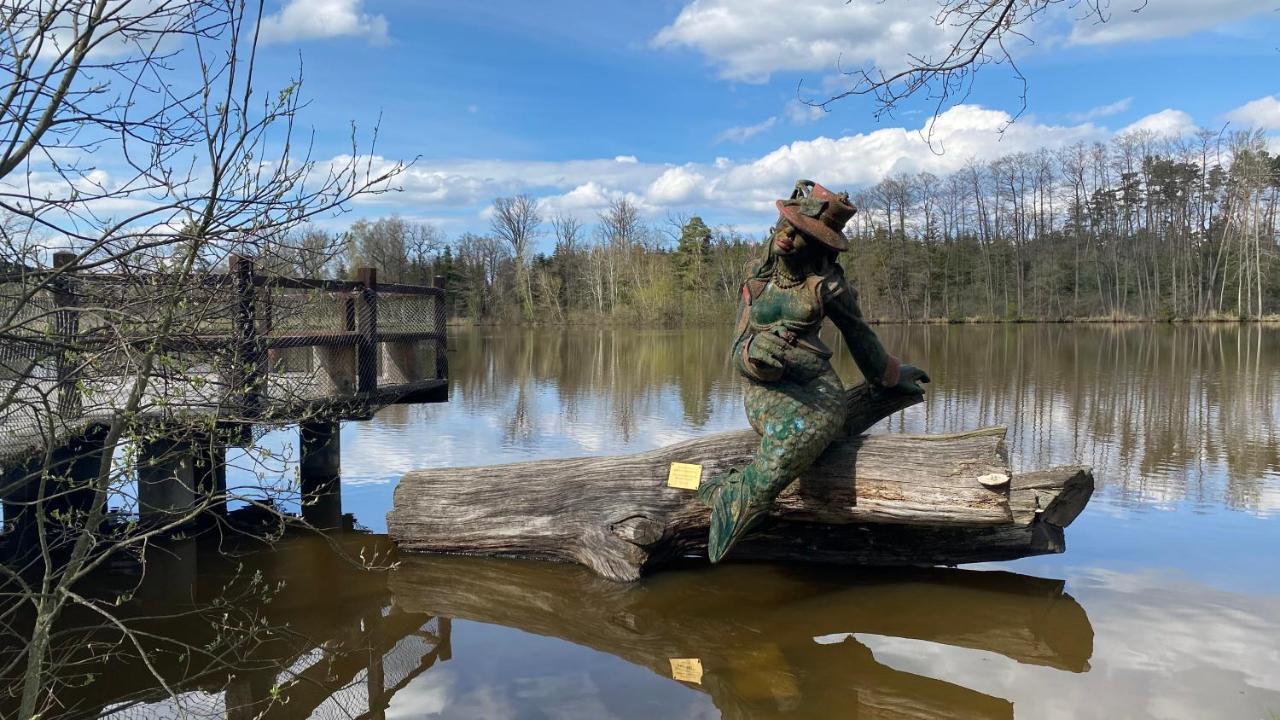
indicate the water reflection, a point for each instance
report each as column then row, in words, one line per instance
column 296, row 633
column 772, row 642
column 302, row 633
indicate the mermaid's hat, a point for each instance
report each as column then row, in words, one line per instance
column 819, row 213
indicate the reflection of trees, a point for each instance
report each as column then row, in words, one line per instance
column 609, row 377
column 1162, row 412
column 772, row 641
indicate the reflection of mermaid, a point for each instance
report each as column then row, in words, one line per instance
column 794, row 398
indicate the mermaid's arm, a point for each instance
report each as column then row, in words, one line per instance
column 840, row 302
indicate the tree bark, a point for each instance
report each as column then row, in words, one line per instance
column 869, row 500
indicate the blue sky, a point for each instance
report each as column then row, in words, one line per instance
column 691, row 105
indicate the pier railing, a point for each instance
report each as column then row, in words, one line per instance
column 244, row 345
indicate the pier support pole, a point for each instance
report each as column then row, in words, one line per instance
column 68, row 490
column 166, row 480
column 320, row 470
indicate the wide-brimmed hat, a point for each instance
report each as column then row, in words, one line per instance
column 819, row 213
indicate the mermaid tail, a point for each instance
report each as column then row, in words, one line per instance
column 796, row 421
column 737, row 505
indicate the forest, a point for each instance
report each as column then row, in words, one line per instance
column 1140, row 228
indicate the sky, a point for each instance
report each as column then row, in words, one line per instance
column 692, row 106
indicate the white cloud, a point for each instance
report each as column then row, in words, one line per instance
column 1164, row 18
column 312, row 19
column 750, row 39
column 1102, row 111
column 802, row 114
column 1167, row 122
column 1262, row 113
column 740, row 134
column 738, row 189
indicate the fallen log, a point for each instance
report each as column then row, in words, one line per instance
column 869, row 500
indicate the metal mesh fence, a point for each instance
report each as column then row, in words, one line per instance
column 235, row 346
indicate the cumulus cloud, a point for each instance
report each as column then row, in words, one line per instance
column 739, row 189
column 748, row 40
column 1167, row 122
column 314, row 19
column 1261, row 113
column 751, row 39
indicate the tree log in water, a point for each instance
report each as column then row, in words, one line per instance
column 869, row 500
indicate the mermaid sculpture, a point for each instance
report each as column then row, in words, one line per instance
column 794, row 399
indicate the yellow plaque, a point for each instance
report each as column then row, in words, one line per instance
column 687, row 670
column 684, row 476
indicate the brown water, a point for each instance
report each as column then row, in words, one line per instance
column 1166, row 603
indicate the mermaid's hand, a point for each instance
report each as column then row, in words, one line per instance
column 767, row 350
column 909, row 379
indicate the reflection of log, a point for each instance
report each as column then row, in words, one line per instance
column 753, row 627
column 877, row 500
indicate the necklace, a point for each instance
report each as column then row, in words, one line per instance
column 784, row 280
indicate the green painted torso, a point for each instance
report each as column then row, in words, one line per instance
column 796, row 309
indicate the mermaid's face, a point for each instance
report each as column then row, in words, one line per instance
column 786, row 239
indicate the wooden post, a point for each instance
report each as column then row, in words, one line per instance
column 319, row 473
column 441, row 326
column 367, row 326
column 250, row 372
column 166, row 479
column 66, row 328
column 172, row 570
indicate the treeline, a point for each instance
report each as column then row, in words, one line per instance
column 1143, row 227
column 620, row 268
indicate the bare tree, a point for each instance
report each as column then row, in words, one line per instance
column 142, row 175
column 517, row 222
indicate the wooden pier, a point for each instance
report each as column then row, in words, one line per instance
column 255, row 350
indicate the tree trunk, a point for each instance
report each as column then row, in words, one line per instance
column 873, row 500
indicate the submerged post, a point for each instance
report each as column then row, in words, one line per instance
column 320, row 471
column 166, row 480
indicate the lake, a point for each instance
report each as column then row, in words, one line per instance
column 1166, row 603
